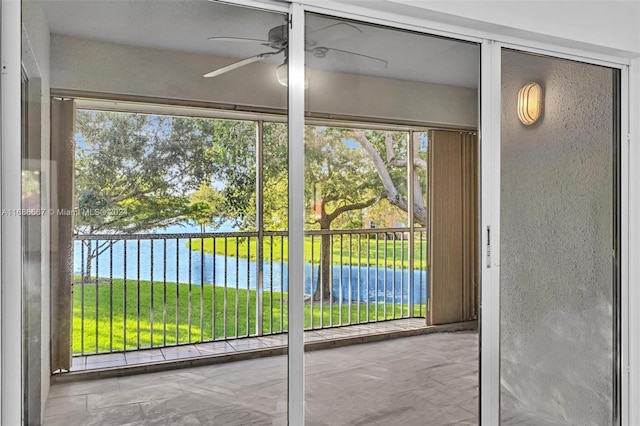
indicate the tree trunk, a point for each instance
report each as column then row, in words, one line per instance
column 92, row 253
column 323, row 283
column 86, row 274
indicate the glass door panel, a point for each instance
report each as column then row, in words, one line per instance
column 373, row 96
column 171, row 151
column 559, row 241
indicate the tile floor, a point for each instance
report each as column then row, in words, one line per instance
column 230, row 347
column 429, row 379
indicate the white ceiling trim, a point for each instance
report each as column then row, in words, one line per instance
column 271, row 5
column 416, row 16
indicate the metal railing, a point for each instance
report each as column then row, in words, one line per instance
column 155, row 290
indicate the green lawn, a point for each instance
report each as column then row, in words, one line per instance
column 367, row 251
column 110, row 313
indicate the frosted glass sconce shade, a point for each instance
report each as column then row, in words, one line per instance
column 282, row 72
column 530, row 103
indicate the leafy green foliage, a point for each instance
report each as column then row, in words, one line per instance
column 206, row 203
column 132, row 170
column 339, row 178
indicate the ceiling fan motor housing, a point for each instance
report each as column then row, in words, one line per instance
column 278, row 36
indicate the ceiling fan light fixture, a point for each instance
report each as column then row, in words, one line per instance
column 282, row 72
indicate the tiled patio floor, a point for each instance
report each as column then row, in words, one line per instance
column 429, row 379
column 320, row 338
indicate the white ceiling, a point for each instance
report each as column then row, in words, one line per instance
column 186, row 25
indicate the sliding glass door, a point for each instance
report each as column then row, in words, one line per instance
column 390, row 153
column 226, row 181
column 560, row 241
column 168, row 216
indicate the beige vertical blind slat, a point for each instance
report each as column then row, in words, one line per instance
column 470, row 236
column 62, row 184
column 453, row 226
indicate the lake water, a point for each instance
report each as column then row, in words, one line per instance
column 178, row 263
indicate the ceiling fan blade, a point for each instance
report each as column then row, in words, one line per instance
column 232, row 67
column 239, row 39
column 333, row 32
column 239, row 64
column 357, row 59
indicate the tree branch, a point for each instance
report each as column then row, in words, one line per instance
column 385, row 177
column 388, row 143
column 394, row 197
column 402, row 162
column 357, row 206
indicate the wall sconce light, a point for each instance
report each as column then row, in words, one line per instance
column 282, row 72
column 530, row 103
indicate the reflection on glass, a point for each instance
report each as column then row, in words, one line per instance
column 31, row 217
column 31, row 189
column 170, row 201
column 373, row 94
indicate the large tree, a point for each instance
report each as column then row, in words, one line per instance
column 347, row 171
column 339, row 179
column 137, row 172
column 133, row 172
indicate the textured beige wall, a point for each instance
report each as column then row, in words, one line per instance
column 556, row 284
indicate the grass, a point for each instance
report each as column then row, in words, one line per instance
column 363, row 252
column 134, row 316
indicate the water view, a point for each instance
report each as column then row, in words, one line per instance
column 171, row 260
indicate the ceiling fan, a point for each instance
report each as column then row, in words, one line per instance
column 277, row 40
